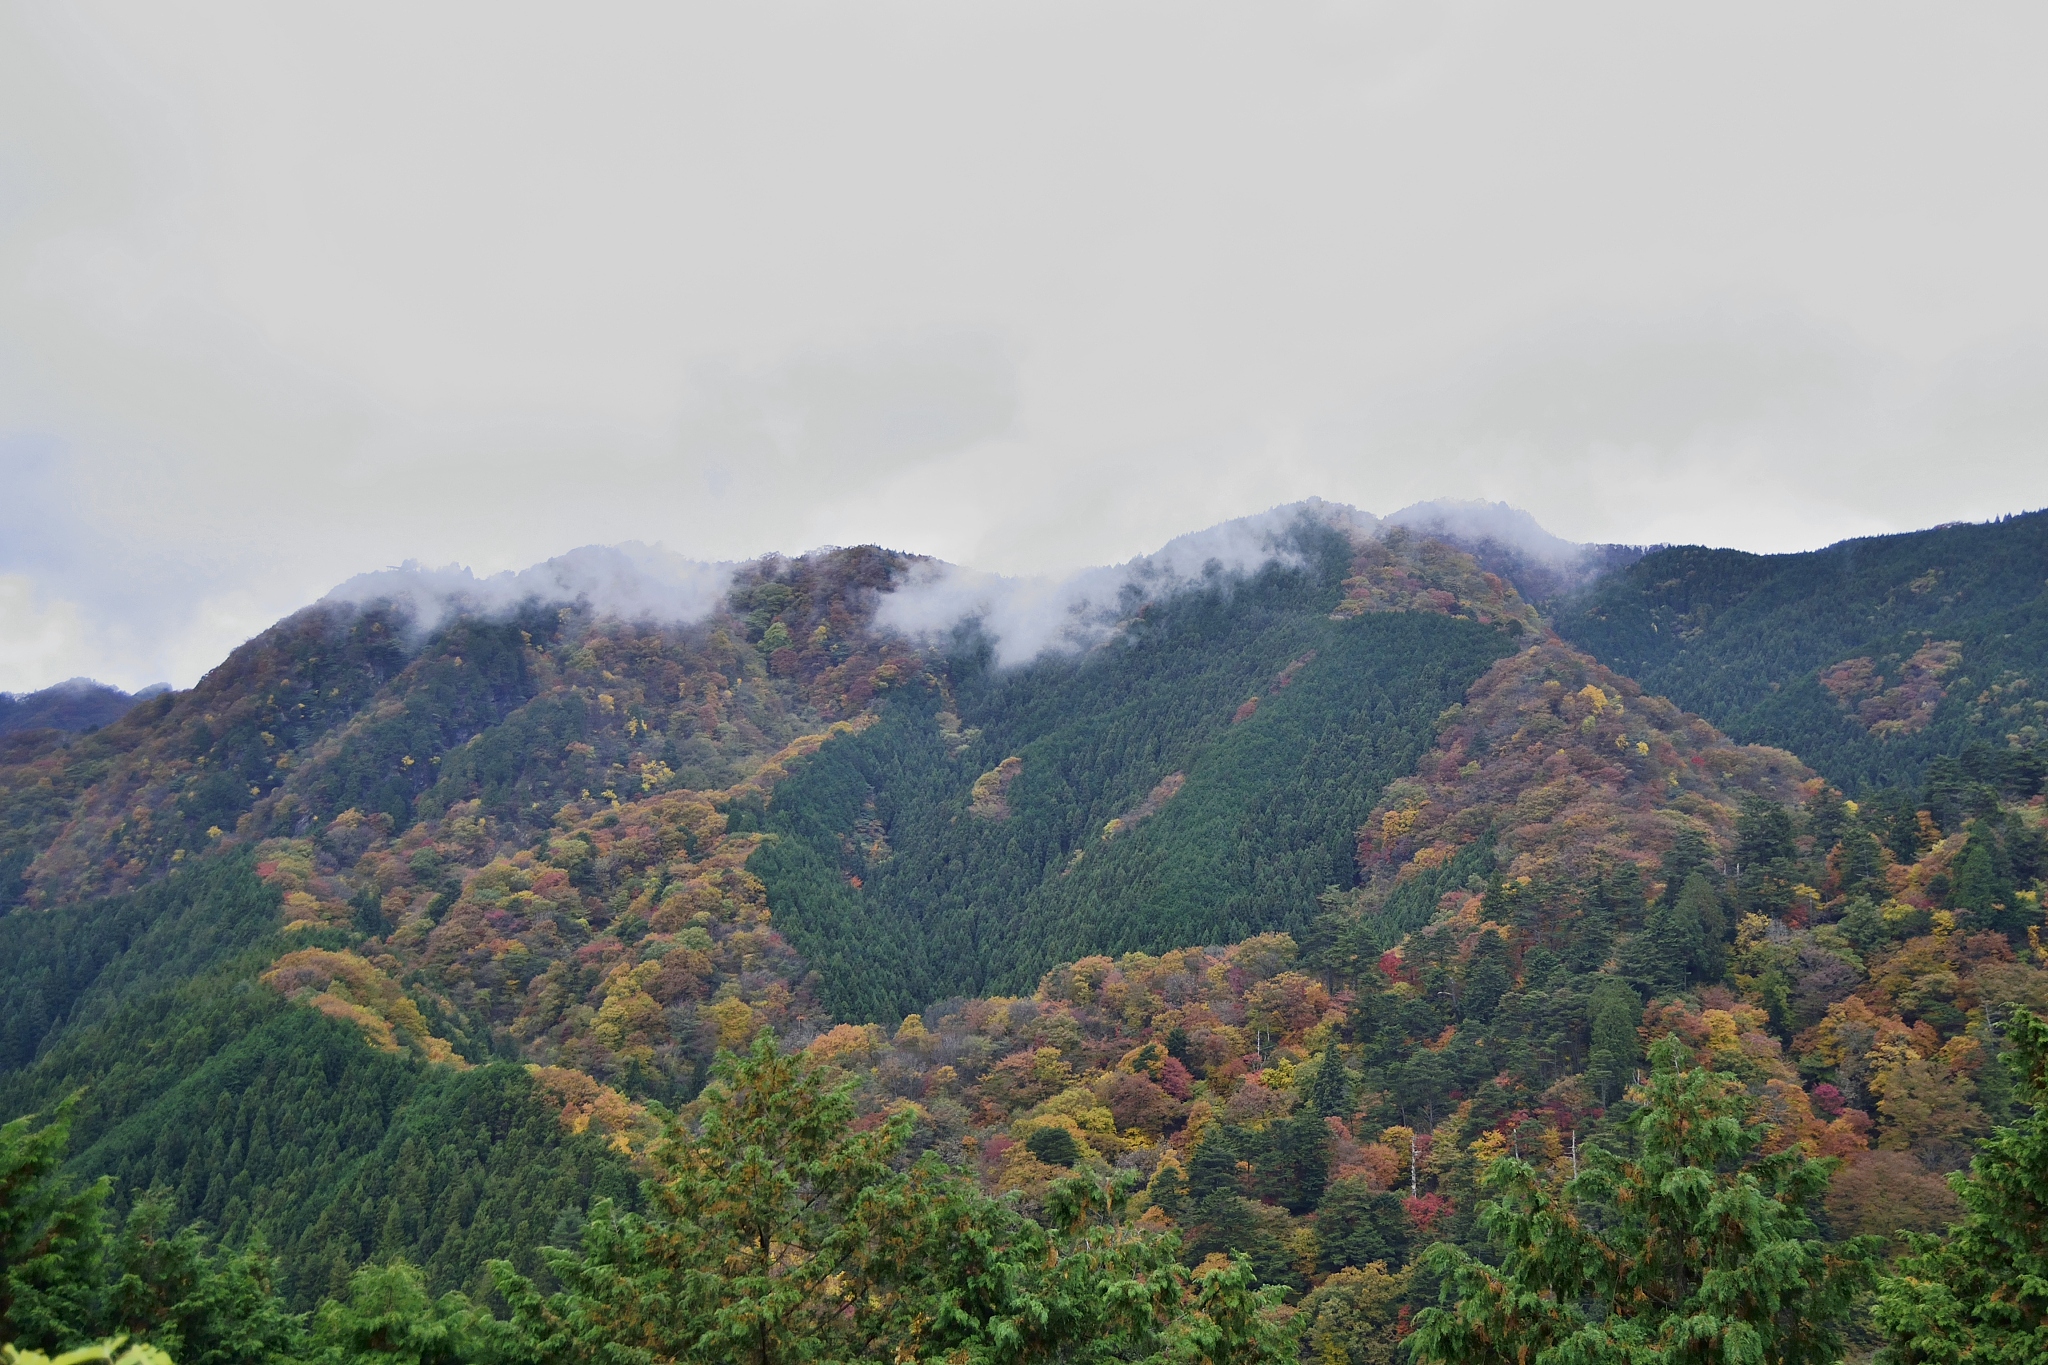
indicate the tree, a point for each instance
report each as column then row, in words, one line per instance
column 1980, row 1295
column 771, row 1237
column 201, row 1306
column 1693, row 1249
column 1054, row 1146
column 779, row 1233
column 1617, row 1013
column 1357, row 1225
column 52, row 1238
column 1329, row 1089
column 1487, row 978
column 66, row 1280
column 388, row 1318
column 1353, row 1318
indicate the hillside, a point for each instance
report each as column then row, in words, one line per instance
column 318, row 907
column 1288, row 881
column 1868, row 659
column 1199, row 781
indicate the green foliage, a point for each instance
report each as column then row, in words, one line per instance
column 387, row 1317
column 1353, row 1318
column 1980, row 1295
column 1265, row 821
column 52, row 1238
column 1694, row 1249
column 74, row 965
column 1054, row 1146
column 204, row 1306
column 1617, row 1012
column 62, row 1277
column 779, row 1232
column 1744, row 639
column 1357, row 1225
column 270, row 1122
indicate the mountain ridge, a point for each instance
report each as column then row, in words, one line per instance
column 526, row 866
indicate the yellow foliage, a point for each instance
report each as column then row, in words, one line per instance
column 586, row 1104
column 344, row 986
column 847, row 1043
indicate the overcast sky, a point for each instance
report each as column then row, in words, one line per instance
column 288, row 292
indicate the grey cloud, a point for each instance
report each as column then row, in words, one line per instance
column 1025, row 618
column 1022, row 286
column 634, row 581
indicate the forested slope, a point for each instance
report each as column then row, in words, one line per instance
column 1198, row 780
column 1868, row 659
column 281, row 934
column 1303, row 893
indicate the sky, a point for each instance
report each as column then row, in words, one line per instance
column 291, row 293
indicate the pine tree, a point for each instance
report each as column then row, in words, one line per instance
column 1980, row 1296
column 1617, row 1013
column 1693, row 1250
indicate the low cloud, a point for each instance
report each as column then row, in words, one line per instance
column 634, row 581
column 1025, row 618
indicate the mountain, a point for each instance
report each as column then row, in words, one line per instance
column 1869, row 658
column 79, row 704
column 402, row 933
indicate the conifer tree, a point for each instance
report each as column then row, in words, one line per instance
column 779, row 1233
column 1694, row 1249
column 389, row 1318
column 52, row 1239
column 1329, row 1089
column 1617, row 1013
column 1980, row 1295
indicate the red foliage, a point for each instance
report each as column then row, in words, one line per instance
column 1425, row 1209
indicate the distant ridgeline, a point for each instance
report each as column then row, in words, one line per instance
column 1869, row 659
column 396, row 935
column 80, row 704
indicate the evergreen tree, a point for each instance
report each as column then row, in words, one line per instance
column 67, row 1281
column 1980, row 1295
column 1617, row 1013
column 1357, row 1225
column 1486, row 978
column 203, row 1307
column 52, row 1239
column 1695, row 1249
column 389, row 1318
column 1329, row 1089
column 1700, row 903
column 778, row 1234
column 1862, row 865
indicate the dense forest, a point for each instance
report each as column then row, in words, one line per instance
column 1868, row 659
column 1251, row 984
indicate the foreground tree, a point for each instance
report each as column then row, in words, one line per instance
column 781, row 1232
column 64, row 1278
column 1693, row 1249
column 1980, row 1295
column 389, row 1318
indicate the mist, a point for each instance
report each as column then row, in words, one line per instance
column 634, row 582
column 1027, row 618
